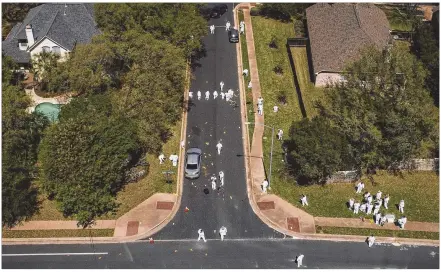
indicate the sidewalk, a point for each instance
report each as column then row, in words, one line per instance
column 275, row 211
column 141, row 219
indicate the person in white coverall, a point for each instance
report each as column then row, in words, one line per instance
column 161, row 158
column 299, row 260
column 221, row 177
column 174, row 159
column 223, row 232
column 201, row 235
column 371, row 240
column 219, row 148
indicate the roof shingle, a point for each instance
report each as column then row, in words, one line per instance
column 338, row 31
column 65, row 24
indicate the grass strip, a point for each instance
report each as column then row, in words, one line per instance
column 57, row 233
column 246, row 79
column 309, row 92
column 379, row 233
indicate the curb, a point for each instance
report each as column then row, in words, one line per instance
column 149, row 233
column 252, row 196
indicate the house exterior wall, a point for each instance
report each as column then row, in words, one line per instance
column 46, row 42
column 322, row 79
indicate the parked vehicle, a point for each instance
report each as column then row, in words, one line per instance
column 193, row 163
column 233, row 36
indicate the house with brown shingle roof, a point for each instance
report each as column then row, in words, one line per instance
column 337, row 32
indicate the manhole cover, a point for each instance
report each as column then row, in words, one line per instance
column 293, row 224
column 132, row 228
column 162, row 205
column 266, row 205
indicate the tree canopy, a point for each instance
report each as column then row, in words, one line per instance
column 316, row 150
column 84, row 158
column 180, row 24
column 426, row 47
column 21, row 134
column 382, row 109
column 285, row 11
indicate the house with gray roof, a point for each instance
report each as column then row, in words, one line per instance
column 337, row 32
column 55, row 28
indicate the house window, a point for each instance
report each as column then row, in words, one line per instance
column 56, row 50
column 46, row 49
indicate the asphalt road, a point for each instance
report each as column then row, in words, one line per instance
column 253, row 253
column 208, row 123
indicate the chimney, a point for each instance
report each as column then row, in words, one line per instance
column 29, row 35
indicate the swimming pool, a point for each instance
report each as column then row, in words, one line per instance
column 50, row 110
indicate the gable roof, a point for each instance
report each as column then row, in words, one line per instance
column 66, row 24
column 338, row 31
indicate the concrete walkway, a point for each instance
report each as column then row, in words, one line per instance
column 35, row 99
column 277, row 212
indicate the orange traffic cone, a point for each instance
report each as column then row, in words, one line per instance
column 186, row 209
column 151, row 241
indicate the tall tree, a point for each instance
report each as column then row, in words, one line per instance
column 382, row 108
column 84, row 158
column 43, row 65
column 8, row 68
column 426, row 47
column 152, row 89
column 21, row 135
column 180, row 24
column 406, row 16
column 316, row 150
column 285, row 11
column 90, row 68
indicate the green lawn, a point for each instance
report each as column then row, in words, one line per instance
column 421, row 204
column 249, row 93
column 309, row 92
column 329, row 201
column 57, row 233
column 379, row 233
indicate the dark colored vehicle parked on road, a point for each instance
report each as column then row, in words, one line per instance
column 193, row 163
column 233, row 35
column 218, row 10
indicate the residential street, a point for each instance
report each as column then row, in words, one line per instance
column 259, row 253
column 208, row 123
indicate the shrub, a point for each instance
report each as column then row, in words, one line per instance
column 273, row 43
column 299, row 28
column 282, row 97
column 255, row 11
column 278, row 70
